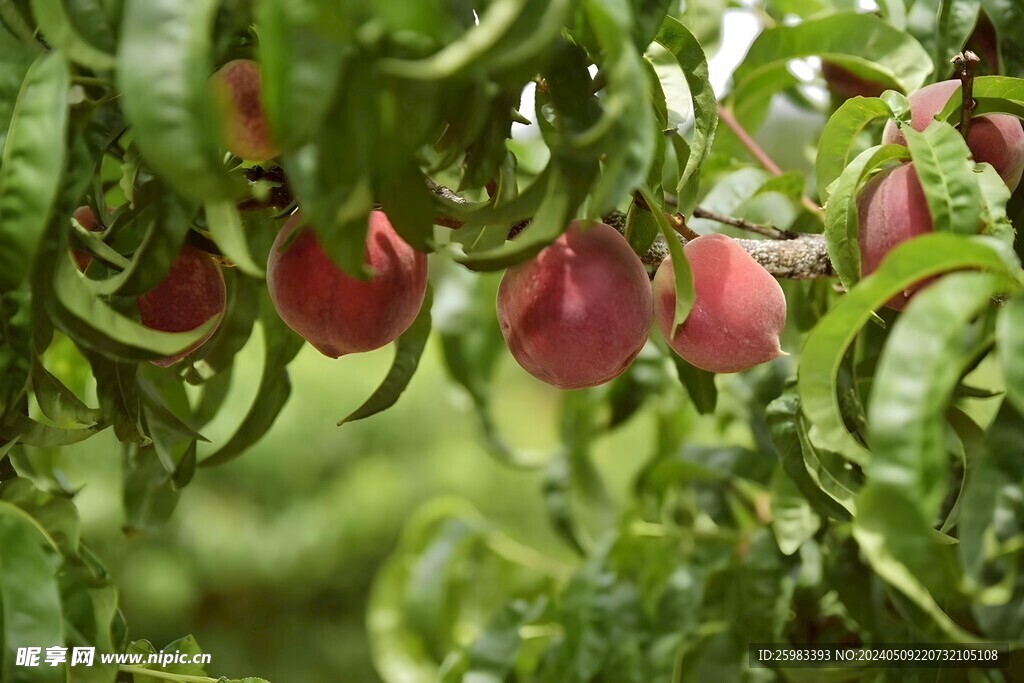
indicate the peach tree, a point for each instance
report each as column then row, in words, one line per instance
column 180, row 175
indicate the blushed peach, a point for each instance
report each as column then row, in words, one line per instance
column 891, row 209
column 87, row 219
column 578, row 314
column 191, row 294
column 244, row 126
column 738, row 314
column 996, row 139
column 337, row 313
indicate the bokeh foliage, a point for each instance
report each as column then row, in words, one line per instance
column 865, row 490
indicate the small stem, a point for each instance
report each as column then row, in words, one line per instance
column 748, row 141
column 156, row 673
column 762, row 157
column 677, row 221
column 744, row 224
column 966, row 63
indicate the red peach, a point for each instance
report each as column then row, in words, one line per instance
column 996, row 139
column 87, row 219
column 738, row 314
column 578, row 314
column 191, row 294
column 244, row 125
column 891, row 209
column 335, row 312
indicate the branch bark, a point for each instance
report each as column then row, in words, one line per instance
column 798, row 257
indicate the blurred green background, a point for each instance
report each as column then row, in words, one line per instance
column 268, row 561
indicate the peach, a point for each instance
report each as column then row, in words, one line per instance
column 996, row 139
column 87, row 219
column 337, row 313
column 738, row 314
column 578, row 314
column 891, row 209
column 244, row 126
column 191, row 294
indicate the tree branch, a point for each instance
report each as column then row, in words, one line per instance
column 799, row 257
column 742, row 223
column 726, row 115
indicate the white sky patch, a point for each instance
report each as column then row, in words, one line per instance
column 526, row 108
column 868, row 5
column 803, row 69
column 739, row 28
column 812, row 87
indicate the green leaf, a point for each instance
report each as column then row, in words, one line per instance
column 118, row 394
column 839, row 139
column 841, row 219
column 685, row 292
column 630, row 148
column 33, row 159
column 164, row 65
column 992, row 528
column 565, row 189
column 914, row 383
column 408, row 350
column 280, row 345
column 418, row 596
column 954, row 24
column 96, row 325
column 57, row 401
column 150, row 495
column 992, row 95
column 302, row 52
column 865, row 44
column 942, row 162
column 60, row 31
column 827, row 344
column 900, row 550
column 168, row 219
column 675, row 38
column 1007, row 16
column 823, row 482
column 700, row 385
column 225, row 224
column 29, row 432
column 243, row 307
column 793, row 519
column 495, row 21
column 1010, row 347
column 908, row 470
column 32, row 615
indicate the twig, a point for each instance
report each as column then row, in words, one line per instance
column 803, row 257
column 677, row 220
column 762, row 157
column 965, row 63
column 744, row 224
